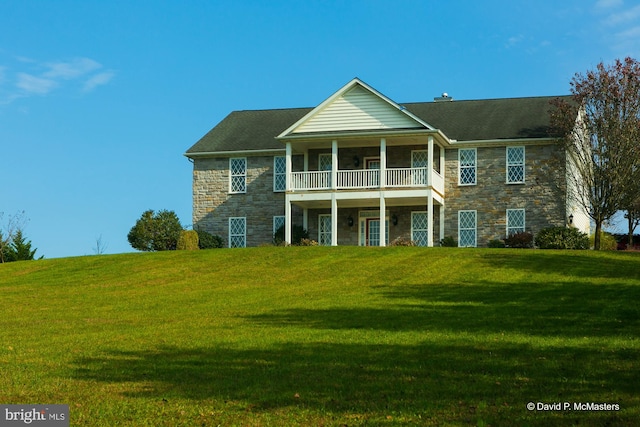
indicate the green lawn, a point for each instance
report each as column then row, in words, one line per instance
column 324, row 336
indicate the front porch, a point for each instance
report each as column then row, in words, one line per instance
column 368, row 226
column 364, row 173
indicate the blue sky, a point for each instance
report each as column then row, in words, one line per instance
column 99, row 100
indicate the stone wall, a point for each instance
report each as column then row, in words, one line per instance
column 542, row 195
column 213, row 205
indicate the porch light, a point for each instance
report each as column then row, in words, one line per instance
column 571, row 219
column 356, row 161
column 394, row 219
column 350, row 221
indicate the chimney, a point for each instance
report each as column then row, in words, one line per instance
column 445, row 97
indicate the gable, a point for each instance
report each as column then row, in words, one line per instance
column 356, row 107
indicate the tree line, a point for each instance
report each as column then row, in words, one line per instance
column 600, row 127
column 14, row 246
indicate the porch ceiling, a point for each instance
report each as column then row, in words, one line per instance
column 364, row 203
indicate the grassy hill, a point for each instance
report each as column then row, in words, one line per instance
column 324, row 336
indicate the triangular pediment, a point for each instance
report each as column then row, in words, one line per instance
column 355, row 107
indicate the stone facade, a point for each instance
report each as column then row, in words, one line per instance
column 542, row 195
column 213, row 205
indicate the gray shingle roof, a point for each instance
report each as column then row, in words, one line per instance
column 489, row 119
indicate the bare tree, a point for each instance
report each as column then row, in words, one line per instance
column 100, row 246
column 601, row 133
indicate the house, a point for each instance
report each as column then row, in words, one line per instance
column 361, row 169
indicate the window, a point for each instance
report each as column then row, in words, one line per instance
column 515, row 221
column 467, row 166
column 515, row 165
column 324, row 162
column 467, row 229
column 279, row 174
column 237, row 232
column 419, row 230
column 238, row 175
column 324, row 230
column 278, row 221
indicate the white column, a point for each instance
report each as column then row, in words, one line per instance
column 442, row 161
column 430, row 218
column 430, row 161
column 287, row 219
column 287, row 200
column 441, row 219
column 383, row 162
column 288, row 167
column 383, row 220
column 334, row 220
column 334, row 164
column 306, row 160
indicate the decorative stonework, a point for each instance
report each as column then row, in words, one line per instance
column 542, row 195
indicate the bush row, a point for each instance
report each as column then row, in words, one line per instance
column 547, row 238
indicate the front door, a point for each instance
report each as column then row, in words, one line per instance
column 373, row 232
column 372, row 162
column 370, row 228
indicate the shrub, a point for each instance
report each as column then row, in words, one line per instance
column 308, row 242
column 188, row 241
column 522, row 240
column 448, row 241
column 207, row 240
column 608, row 241
column 496, row 243
column 155, row 231
column 561, row 238
column 297, row 234
column 402, row 241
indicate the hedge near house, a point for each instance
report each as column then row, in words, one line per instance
column 561, row 238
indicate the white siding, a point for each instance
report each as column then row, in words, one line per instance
column 357, row 109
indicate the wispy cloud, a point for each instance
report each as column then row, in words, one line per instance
column 514, row 41
column 99, row 79
column 35, row 85
column 622, row 25
column 71, row 69
column 624, row 17
column 28, row 77
column 605, row 4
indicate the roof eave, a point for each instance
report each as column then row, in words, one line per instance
column 233, row 153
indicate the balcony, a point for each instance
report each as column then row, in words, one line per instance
column 366, row 179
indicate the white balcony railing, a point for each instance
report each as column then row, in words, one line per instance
column 366, row 178
column 313, row 180
column 353, row 179
column 407, row 177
